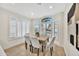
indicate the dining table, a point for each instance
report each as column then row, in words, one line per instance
column 41, row 37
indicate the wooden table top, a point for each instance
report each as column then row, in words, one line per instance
column 41, row 38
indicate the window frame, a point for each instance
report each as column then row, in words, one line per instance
column 9, row 28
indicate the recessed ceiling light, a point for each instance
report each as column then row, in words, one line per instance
column 32, row 13
column 50, row 7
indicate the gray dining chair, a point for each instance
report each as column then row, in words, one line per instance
column 35, row 44
column 27, row 41
column 50, row 45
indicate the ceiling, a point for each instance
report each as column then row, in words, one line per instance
column 34, row 10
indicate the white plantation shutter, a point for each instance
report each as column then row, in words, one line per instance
column 17, row 28
column 23, row 28
column 19, row 34
column 12, row 28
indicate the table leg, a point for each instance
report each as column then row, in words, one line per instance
column 42, row 48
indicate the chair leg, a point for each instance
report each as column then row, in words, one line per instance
column 42, row 48
column 47, row 39
column 30, row 48
column 38, row 52
column 26, row 45
column 51, row 51
column 52, row 48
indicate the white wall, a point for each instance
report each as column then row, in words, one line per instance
column 59, row 21
column 72, row 30
column 5, row 41
column 70, row 50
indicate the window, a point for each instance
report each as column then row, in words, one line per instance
column 12, row 28
column 37, row 25
column 17, row 28
column 21, row 28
